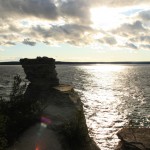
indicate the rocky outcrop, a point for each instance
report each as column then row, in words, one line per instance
column 62, row 124
column 40, row 71
column 134, row 139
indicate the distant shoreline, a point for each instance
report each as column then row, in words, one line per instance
column 80, row 63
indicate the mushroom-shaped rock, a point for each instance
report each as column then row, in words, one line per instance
column 40, row 71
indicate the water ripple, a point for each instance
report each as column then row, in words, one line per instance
column 112, row 95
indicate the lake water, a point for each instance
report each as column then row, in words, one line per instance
column 113, row 95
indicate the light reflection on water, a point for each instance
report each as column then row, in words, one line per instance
column 112, row 95
column 101, row 104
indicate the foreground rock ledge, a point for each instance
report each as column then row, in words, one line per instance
column 134, row 139
column 62, row 124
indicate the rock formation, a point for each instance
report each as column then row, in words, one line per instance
column 62, row 124
column 134, row 139
column 40, row 71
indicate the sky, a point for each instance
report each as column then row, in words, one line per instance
column 75, row 30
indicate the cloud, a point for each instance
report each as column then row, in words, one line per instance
column 15, row 32
column 28, row 8
column 9, row 39
column 69, row 21
column 29, row 42
column 131, row 45
column 145, row 46
column 9, row 43
column 133, row 35
column 110, row 40
column 144, row 39
column 69, row 33
column 129, row 29
column 78, row 10
column 145, row 15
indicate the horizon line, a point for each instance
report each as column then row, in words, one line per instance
column 74, row 62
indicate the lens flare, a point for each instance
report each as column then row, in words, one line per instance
column 46, row 120
column 37, row 148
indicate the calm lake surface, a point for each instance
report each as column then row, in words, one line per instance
column 112, row 95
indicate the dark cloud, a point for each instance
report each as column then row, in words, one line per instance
column 131, row 45
column 14, row 28
column 145, row 46
column 128, row 29
column 145, row 38
column 71, row 33
column 40, row 31
column 9, row 39
column 110, row 40
column 10, row 43
column 145, row 15
column 30, row 8
column 75, row 27
column 29, row 42
column 78, row 10
column 141, row 39
column 135, row 33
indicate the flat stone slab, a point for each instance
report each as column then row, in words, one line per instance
column 138, row 137
column 63, row 88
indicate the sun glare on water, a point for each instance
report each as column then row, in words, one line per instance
column 105, row 18
column 110, row 68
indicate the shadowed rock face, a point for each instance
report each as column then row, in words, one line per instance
column 40, row 71
column 134, row 139
column 62, row 124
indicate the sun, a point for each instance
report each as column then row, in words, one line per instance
column 105, row 18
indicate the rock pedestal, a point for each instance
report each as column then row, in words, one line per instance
column 40, row 71
column 62, row 124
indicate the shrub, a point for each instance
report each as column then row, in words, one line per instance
column 3, row 138
column 16, row 114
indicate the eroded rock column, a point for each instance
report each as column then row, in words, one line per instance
column 40, row 71
column 61, row 124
